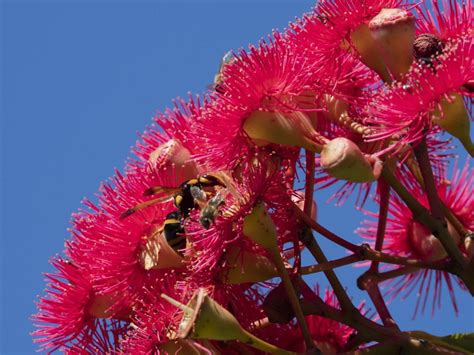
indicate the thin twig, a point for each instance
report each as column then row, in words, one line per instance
column 382, row 220
column 372, row 288
column 323, row 231
column 330, row 265
column 341, row 294
column 387, row 275
column 293, row 298
column 369, row 254
column 423, row 159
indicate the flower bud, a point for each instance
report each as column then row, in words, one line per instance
column 426, row 245
column 370, row 55
column 291, row 129
column 259, row 227
column 452, row 116
column 343, row 159
column 173, row 162
column 277, row 306
column 247, row 266
column 158, row 254
column 393, row 31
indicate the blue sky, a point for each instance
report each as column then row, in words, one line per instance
column 79, row 80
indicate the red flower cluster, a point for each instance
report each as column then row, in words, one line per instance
column 196, row 248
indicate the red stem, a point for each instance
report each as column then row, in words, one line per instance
column 421, row 153
column 372, row 288
column 324, row 232
column 309, row 190
column 382, row 221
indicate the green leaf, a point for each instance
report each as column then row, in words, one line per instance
column 461, row 343
column 461, row 340
column 429, row 345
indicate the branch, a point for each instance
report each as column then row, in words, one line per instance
column 323, row 231
column 350, row 259
column 372, row 288
column 344, row 300
column 421, row 214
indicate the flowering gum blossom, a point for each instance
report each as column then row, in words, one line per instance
column 173, row 161
column 393, row 31
column 292, row 129
column 452, row 116
column 343, row 159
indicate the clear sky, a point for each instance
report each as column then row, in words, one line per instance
column 79, row 79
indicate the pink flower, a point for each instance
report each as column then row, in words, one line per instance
column 446, row 19
column 430, row 96
column 70, row 314
column 156, row 321
column 110, row 245
column 163, row 227
column 407, row 237
column 174, row 124
column 268, row 78
column 332, row 22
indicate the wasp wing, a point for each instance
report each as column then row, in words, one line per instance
column 142, row 205
column 162, row 190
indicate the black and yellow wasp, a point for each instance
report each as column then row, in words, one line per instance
column 187, row 196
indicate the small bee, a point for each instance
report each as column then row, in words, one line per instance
column 211, row 209
column 226, row 59
column 199, row 196
column 182, row 196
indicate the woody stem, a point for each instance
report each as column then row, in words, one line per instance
column 325, row 232
column 310, row 242
column 368, row 329
column 423, row 159
column 366, row 253
column 293, row 298
column 450, row 216
column 372, row 288
column 421, row 214
column 350, row 259
column 309, row 190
